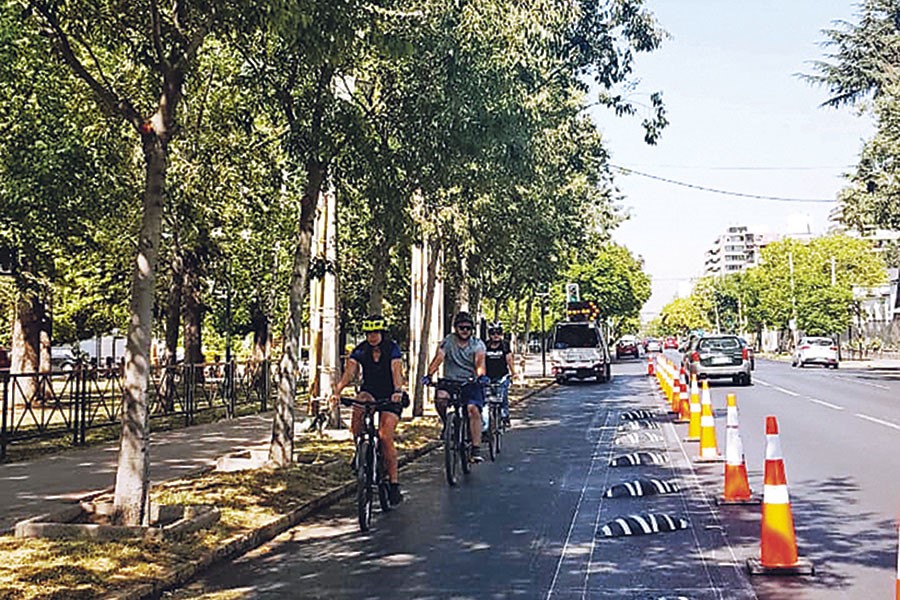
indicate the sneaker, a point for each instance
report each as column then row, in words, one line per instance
column 506, row 422
column 394, row 494
column 476, row 455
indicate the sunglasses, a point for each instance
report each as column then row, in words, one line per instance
column 464, row 327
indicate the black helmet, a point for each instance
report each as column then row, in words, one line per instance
column 374, row 323
column 495, row 327
column 463, row 317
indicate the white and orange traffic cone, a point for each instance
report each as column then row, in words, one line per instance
column 650, row 366
column 684, row 415
column 778, row 540
column 898, row 566
column 737, row 485
column 709, row 447
column 694, row 416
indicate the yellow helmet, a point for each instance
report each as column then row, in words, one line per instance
column 374, row 323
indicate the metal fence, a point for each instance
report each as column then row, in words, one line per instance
column 66, row 405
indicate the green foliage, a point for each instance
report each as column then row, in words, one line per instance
column 612, row 277
column 862, row 63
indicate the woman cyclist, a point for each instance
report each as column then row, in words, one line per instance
column 381, row 363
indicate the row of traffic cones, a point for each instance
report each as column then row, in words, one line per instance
column 778, row 541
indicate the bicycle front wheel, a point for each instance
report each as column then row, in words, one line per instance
column 451, row 453
column 364, row 475
column 494, row 431
column 464, row 444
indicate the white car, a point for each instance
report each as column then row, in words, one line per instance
column 816, row 351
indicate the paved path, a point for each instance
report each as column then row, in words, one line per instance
column 46, row 484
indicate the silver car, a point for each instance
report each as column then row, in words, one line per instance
column 816, row 351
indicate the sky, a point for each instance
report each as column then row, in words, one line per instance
column 741, row 120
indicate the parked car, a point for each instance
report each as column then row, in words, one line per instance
column 62, row 358
column 652, row 345
column 578, row 350
column 718, row 356
column 627, row 346
column 670, row 343
column 816, row 351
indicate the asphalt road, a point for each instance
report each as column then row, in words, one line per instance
column 840, row 436
column 523, row 527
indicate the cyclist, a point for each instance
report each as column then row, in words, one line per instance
column 500, row 363
column 381, row 363
column 463, row 357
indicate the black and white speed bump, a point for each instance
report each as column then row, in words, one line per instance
column 638, row 425
column 637, row 415
column 645, row 524
column 639, row 458
column 638, row 438
column 642, row 487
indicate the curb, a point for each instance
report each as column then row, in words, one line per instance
column 244, row 543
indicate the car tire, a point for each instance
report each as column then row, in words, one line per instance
column 747, row 379
column 834, row 366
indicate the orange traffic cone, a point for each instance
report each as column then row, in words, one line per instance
column 778, row 541
column 709, row 448
column 650, row 366
column 694, row 416
column 737, row 486
column 684, row 415
column 898, row 565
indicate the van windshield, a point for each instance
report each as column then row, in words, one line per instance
column 577, row 336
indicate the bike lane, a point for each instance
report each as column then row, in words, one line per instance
column 522, row 527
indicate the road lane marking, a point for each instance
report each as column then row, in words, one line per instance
column 874, row 385
column 598, row 450
column 879, row 421
column 784, row 391
column 828, row 404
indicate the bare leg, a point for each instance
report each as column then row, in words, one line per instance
column 441, row 400
column 386, row 427
column 475, row 424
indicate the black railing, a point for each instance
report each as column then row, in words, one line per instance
column 67, row 405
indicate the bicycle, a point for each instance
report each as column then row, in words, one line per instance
column 371, row 470
column 496, row 423
column 457, row 434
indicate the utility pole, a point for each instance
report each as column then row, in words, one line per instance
column 793, row 322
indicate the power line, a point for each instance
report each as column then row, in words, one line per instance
column 627, row 171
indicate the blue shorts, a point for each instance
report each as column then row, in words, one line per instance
column 471, row 393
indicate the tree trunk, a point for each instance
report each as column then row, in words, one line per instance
column 26, row 341
column 133, row 472
column 281, row 449
column 380, row 266
column 193, row 312
column 432, row 249
column 173, row 320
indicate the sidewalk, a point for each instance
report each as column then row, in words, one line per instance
column 48, row 483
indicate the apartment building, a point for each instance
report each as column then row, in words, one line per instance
column 735, row 250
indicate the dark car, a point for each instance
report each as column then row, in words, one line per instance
column 718, row 356
column 627, row 346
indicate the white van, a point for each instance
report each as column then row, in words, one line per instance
column 578, row 350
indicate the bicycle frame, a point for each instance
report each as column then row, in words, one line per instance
column 457, row 434
column 371, row 473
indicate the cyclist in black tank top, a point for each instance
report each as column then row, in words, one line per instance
column 380, row 363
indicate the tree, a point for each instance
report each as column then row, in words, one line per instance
column 612, row 277
column 682, row 315
column 863, row 63
column 129, row 59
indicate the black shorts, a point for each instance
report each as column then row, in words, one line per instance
column 385, row 405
